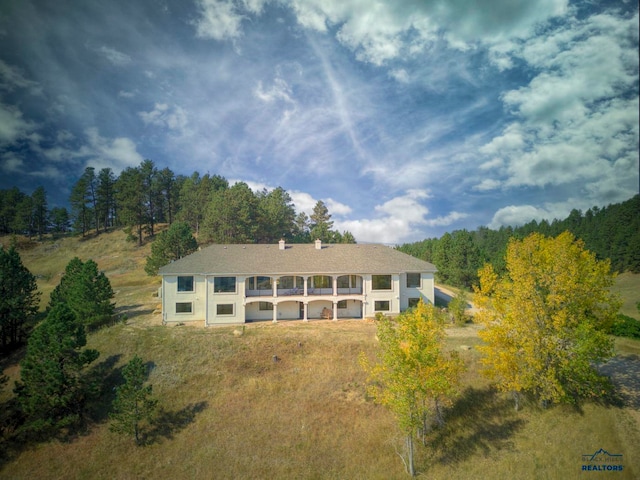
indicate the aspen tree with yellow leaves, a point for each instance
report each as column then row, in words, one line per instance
column 413, row 376
column 546, row 319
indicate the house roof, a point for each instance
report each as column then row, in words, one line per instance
column 263, row 259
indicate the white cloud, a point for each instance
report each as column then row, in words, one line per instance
column 115, row 57
column 337, row 208
column 400, row 74
column 447, row 220
column 11, row 164
column 117, row 153
column 171, row 117
column 280, row 90
column 487, row 184
column 400, row 219
column 219, row 19
column 12, row 77
column 575, row 126
column 12, row 124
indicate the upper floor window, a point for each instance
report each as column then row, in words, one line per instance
column 224, row 284
column 185, row 284
column 347, row 281
column 381, row 282
column 413, row 280
column 321, row 281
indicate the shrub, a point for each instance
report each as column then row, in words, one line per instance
column 626, row 326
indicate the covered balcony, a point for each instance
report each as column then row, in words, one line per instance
column 314, row 285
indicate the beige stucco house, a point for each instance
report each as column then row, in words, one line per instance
column 226, row 284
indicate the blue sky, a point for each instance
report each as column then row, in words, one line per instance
column 407, row 118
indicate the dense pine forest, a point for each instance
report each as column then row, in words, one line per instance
column 611, row 232
column 143, row 197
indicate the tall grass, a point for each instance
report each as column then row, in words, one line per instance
column 287, row 400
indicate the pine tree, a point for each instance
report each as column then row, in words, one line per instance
column 131, row 200
column 86, row 291
column 321, row 223
column 172, row 244
column 19, row 298
column 134, row 402
column 40, row 212
column 105, row 198
column 51, row 391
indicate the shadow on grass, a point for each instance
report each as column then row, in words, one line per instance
column 132, row 311
column 480, row 421
column 167, row 423
column 624, row 372
column 103, row 379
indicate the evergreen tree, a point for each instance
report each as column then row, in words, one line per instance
column 151, row 193
column 276, row 216
column 19, row 298
column 172, row 244
column 321, row 223
column 40, row 212
column 106, row 198
column 9, row 200
column 59, row 218
column 232, row 215
column 23, row 221
column 51, row 392
column 134, row 402
column 86, row 291
column 302, row 234
column 168, row 193
column 80, row 208
column 131, row 198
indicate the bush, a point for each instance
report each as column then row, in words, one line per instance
column 457, row 308
column 625, row 326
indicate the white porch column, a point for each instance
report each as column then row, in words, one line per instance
column 275, row 312
column 275, row 281
column 305, row 316
column 335, row 311
column 306, row 285
column 335, row 285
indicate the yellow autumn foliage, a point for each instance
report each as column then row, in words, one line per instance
column 546, row 319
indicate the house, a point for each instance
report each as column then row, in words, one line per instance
column 225, row 284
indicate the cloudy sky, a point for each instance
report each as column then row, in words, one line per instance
column 408, row 118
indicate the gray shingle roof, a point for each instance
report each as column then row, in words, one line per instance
column 296, row 259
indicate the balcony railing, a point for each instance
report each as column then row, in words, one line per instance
column 288, row 292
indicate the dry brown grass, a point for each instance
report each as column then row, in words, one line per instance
column 287, row 401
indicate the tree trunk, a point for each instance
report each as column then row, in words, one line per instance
column 411, row 467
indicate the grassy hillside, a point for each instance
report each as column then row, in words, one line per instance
column 229, row 410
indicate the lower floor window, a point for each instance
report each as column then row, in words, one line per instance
column 224, row 309
column 342, row 304
column 184, row 307
column 413, row 302
column 381, row 305
column 266, row 306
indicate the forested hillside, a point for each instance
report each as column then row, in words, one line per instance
column 612, row 232
column 144, row 196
